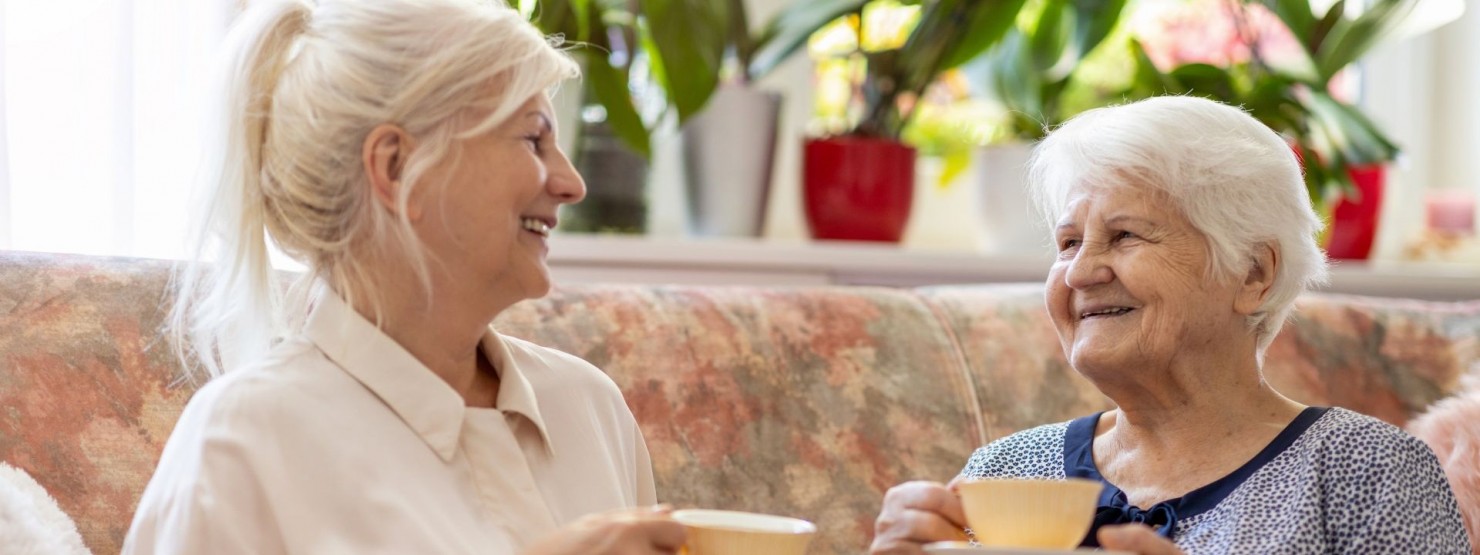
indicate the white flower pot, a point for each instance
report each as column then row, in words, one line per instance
column 1010, row 223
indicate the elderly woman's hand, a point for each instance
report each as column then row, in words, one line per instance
column 1136, row 538
column 631, row 532
column 917, row 513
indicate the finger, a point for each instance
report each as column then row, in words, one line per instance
column 664, row 533
column 636, row 514
column 660, row 509
column 956, row 482
column 912, row 525
column 1136, row 538
column 895, row 548
column 935, row 498
column 932, row 527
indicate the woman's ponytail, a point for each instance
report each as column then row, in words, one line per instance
column 226, row 299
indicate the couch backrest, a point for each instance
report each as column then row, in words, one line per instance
column 806, row 402
column 803, row 402
column 1389, row 358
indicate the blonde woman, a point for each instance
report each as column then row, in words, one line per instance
column 404, row 151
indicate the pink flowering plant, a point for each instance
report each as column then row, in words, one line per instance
column 1281, row 61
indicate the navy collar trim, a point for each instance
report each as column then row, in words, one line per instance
column 1079, row 462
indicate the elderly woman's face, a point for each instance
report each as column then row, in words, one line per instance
column 1129, row 288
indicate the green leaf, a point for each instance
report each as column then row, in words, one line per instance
column 1093, row 21
column 582, row 9
column 1349, row 42
column 738, row 35
column 984, row 24
column 1207, row 81
column 790, row 29
column 1352, row 135
column 1317, row 36
column 953, row 165
column 1271, row 101
column 609, row 84
column 1149, row 81
column 925, row 50
column 1049, row 36
column 1297, row 17
column 1015, row 83
column 689, row 38
column 555, row 17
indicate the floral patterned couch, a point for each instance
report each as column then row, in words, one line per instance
column 805, row 402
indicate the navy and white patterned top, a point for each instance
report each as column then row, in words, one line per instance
column 1334, row 481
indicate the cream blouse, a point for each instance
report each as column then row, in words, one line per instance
column 342, row 442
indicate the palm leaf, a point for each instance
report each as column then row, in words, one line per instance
column 1352, row 135
column 688, row 39
column 983, row 24
column 1347, row 43
column 1297, row 16
column 790, row 29
column 1093, row 21
column 609, row 85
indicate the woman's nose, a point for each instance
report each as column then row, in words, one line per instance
column 565, row 183
column 1087, row 269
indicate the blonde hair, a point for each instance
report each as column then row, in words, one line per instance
column 1234, row 178
column 305, row 84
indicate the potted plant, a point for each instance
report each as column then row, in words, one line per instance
column 1281, row 60
column 612, row 140
column 1037, row 78
column 858, row 183
column 728, row 127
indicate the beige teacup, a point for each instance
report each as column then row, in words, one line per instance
column 737, row 533
column 1048, row 514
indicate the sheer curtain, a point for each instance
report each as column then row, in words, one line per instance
column 100, row 119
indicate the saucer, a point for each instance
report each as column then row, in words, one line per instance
column 965, row 548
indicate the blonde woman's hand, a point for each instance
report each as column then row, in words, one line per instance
column 1136, row 538
column 647, row 531
column 917, row 513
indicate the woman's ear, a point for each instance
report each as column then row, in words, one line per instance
column 1259, row 280
column 384, row 157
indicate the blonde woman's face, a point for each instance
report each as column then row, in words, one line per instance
column 496, row 203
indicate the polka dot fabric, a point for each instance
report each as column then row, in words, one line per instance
column 1348, row 484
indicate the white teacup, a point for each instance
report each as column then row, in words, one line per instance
column 714, row 532
column 1046, row 514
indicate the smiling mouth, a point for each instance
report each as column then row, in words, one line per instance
column 536, row 226
column 1106, row 312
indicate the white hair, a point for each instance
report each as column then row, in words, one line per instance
column 1234, row 178
column 305, row 84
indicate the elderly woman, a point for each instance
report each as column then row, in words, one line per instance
column 1184, row 235
column 404, row 152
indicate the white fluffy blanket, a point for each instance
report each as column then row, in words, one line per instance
column 30, row 521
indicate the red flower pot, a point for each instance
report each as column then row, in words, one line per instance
column 857, row 188
column 1354, row 219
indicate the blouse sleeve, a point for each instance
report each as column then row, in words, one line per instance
column 1033, row 453
column 647, row 491
column 1389, row 495
column 205, row 495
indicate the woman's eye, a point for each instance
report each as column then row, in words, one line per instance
column 536, row 142
column 1068, row 244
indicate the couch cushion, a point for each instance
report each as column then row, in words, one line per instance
column 1388, row 358
column 1018, row 370
column 805, row 402
column 85, row 383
